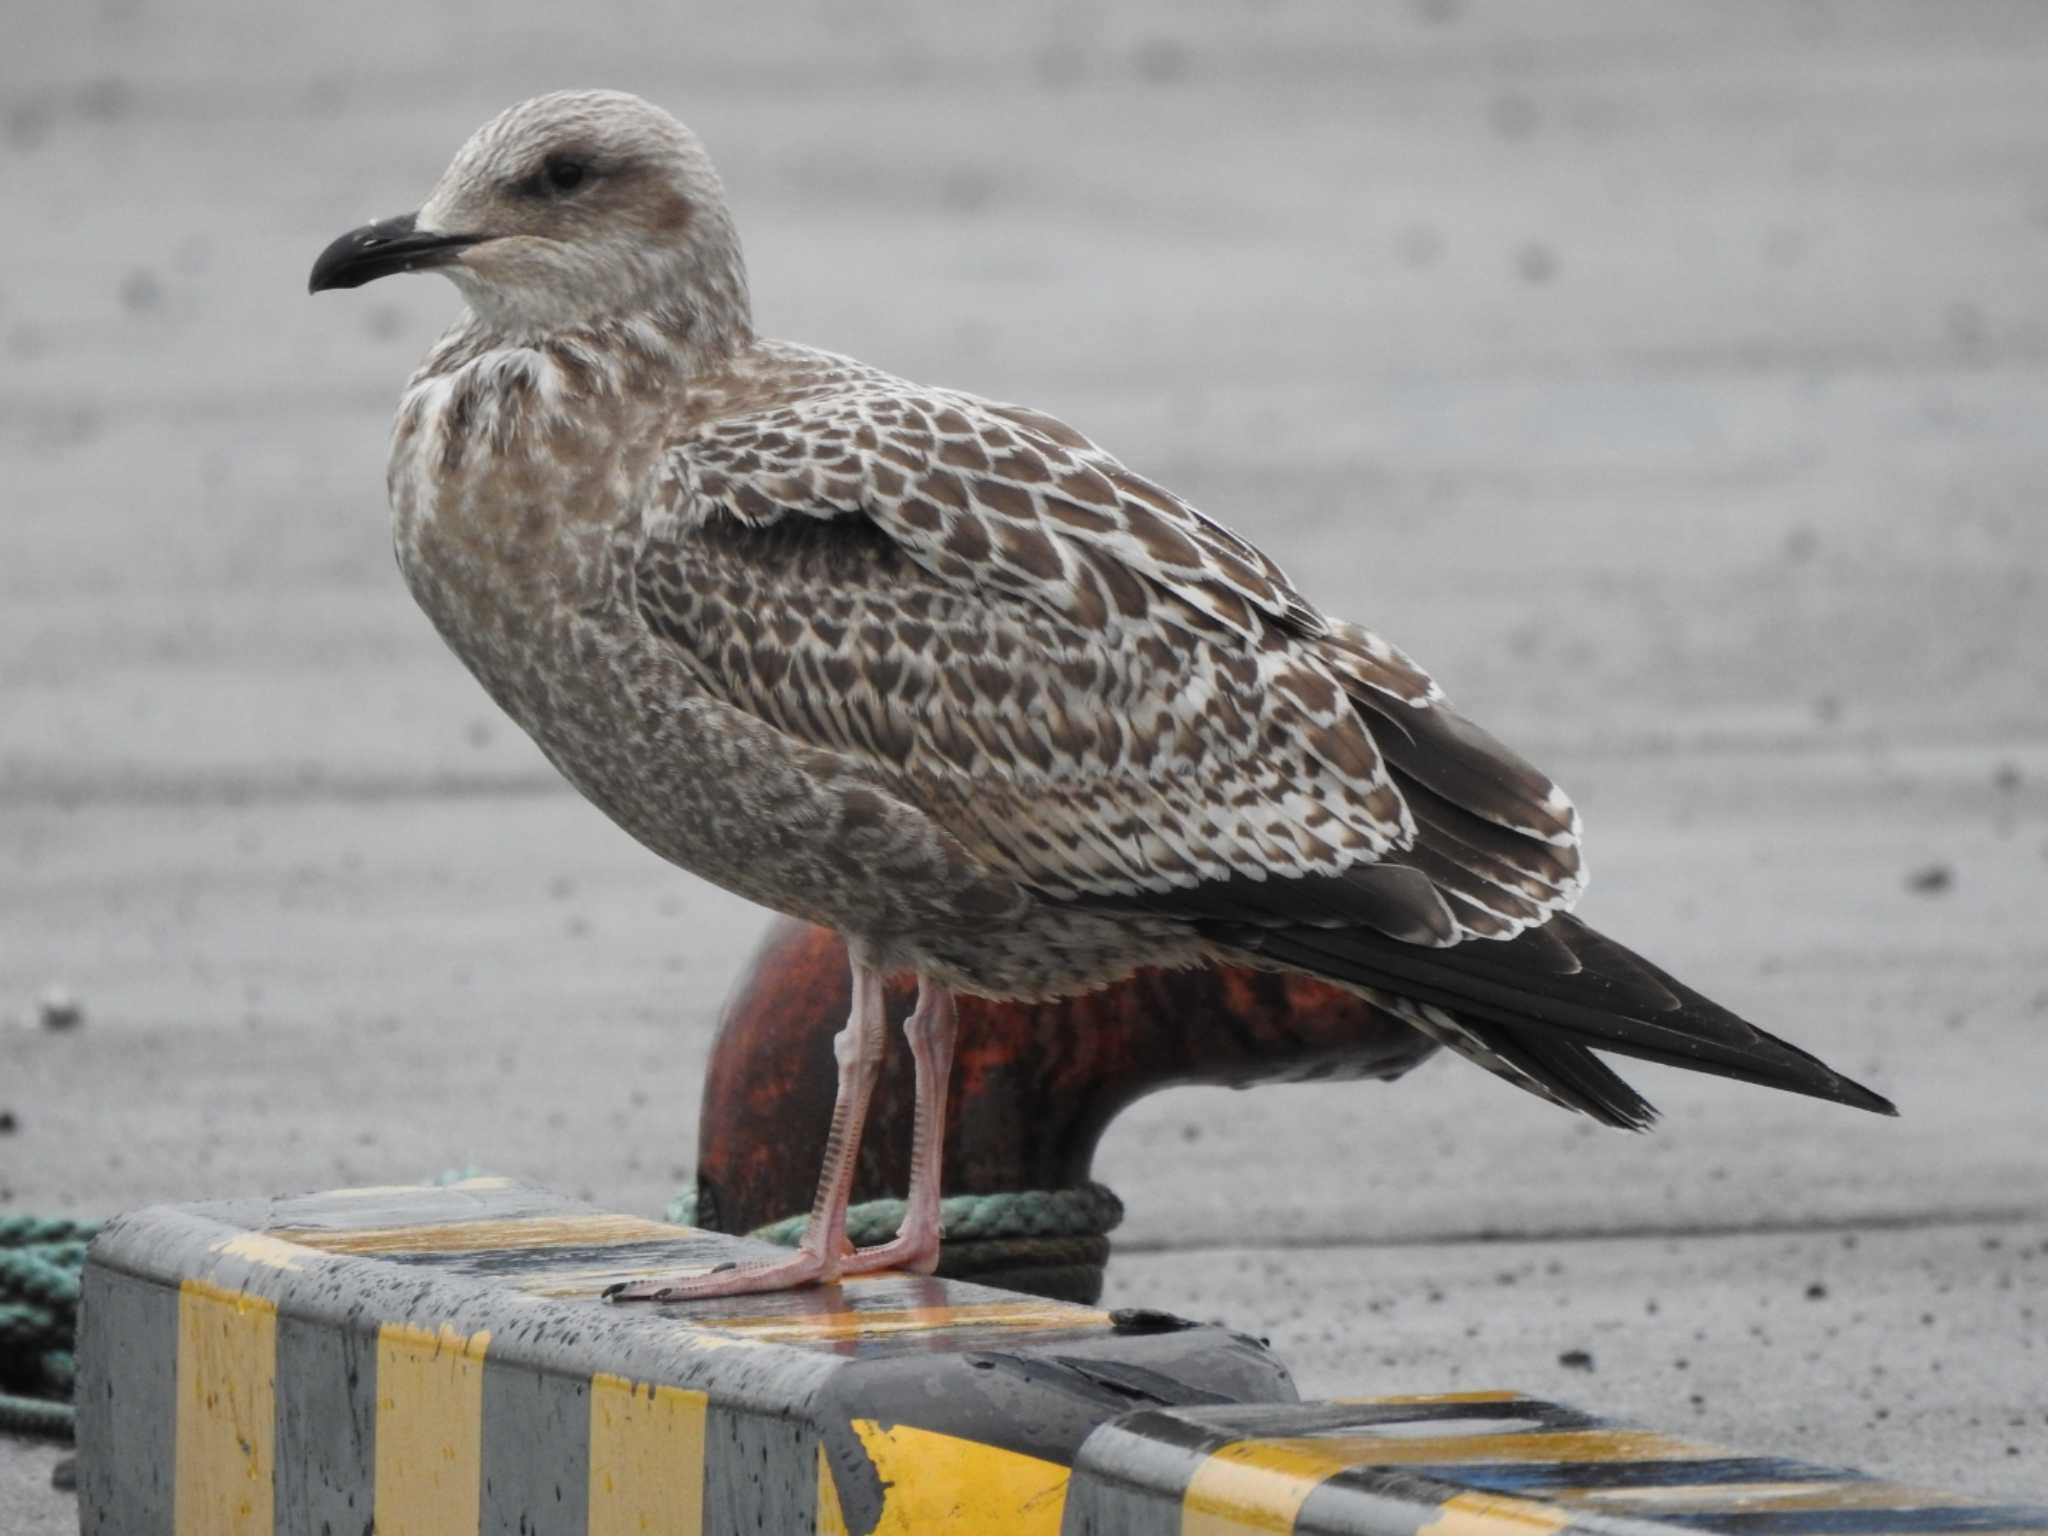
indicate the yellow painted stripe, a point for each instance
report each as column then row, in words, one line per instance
column 831, row 1515
column 258, row 1248
column 937, row 1485
column 1862, row 1495
column 430, row 1420
column 420, row 1191
column 1260, row 1485
column 1400, row 1450
column 577, row 1231
column 1256, row 1485
column 1710, row 1498
column 556, row 1281
column 646, row 1458
column 1492, row 1514
column 225, row 1452
column 1022, row 1315
column 1693, row 1498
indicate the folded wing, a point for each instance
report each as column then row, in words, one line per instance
column 1124, row 705
column 1084, row 678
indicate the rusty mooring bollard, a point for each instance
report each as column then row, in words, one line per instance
column 1034, row 1086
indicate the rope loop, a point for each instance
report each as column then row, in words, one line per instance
column 1045, row 1242
column 41, row 1258
column 1086, row 1210
column 21, row 1230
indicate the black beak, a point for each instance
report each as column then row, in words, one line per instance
column 380, row 249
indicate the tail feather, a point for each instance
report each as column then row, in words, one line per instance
column 1549, row 1066
column 1542, row 1020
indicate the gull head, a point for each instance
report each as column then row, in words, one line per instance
column 565, row 212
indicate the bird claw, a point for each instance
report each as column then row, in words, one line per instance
column 731, row 1279
column 913, row 1254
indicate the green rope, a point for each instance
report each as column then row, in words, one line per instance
column 40, row 1262
column 37, row 1418
column 1044, row 1242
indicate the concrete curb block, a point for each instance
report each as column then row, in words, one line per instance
column 1471, row 1464
column 436, row 1361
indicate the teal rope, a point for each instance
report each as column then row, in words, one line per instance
column 40, row 1262
column 1088, row 1210
column 37, row 1417
column 25, row 1231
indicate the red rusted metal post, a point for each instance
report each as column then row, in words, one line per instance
column 1035, row 1084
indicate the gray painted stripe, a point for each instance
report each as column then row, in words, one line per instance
column 127, row 1405
column 536, row 1452
column 1132, row 1473
column 326, row 1427
column 1401, row 1504
column 760, row 1474
column 1099, row 1508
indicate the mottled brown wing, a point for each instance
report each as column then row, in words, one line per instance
column 1087, row 768
column 1498, row 839
column 1077, row 673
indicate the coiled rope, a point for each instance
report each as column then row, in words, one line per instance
column 1043, row 1242
column 40, row 1262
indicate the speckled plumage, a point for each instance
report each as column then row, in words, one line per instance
column 1063, row 681
column 941, row 673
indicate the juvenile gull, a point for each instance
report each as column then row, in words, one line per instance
column 944, row 675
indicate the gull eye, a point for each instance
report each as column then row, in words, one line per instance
column 565, row 175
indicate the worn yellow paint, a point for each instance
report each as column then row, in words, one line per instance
column 259, row 1248
column 576, row 1231
column 935, row 1484
column 1258, row 1485
column 1860, row 1495
column 1698, row 1498
column 831, row 1519
column 646, row 1458
column 1493, row 1514
column 430, row 1420
column 809, row 1326
column 1746, row 1498
column 1364, row 1449
column 225, row 1449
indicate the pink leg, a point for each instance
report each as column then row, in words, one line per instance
column 930, row 1030
column 822, row 1256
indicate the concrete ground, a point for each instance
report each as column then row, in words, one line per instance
column 1670, row 380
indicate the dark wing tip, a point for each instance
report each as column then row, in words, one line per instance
column 1616, row 1003
column 1856, row 1096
